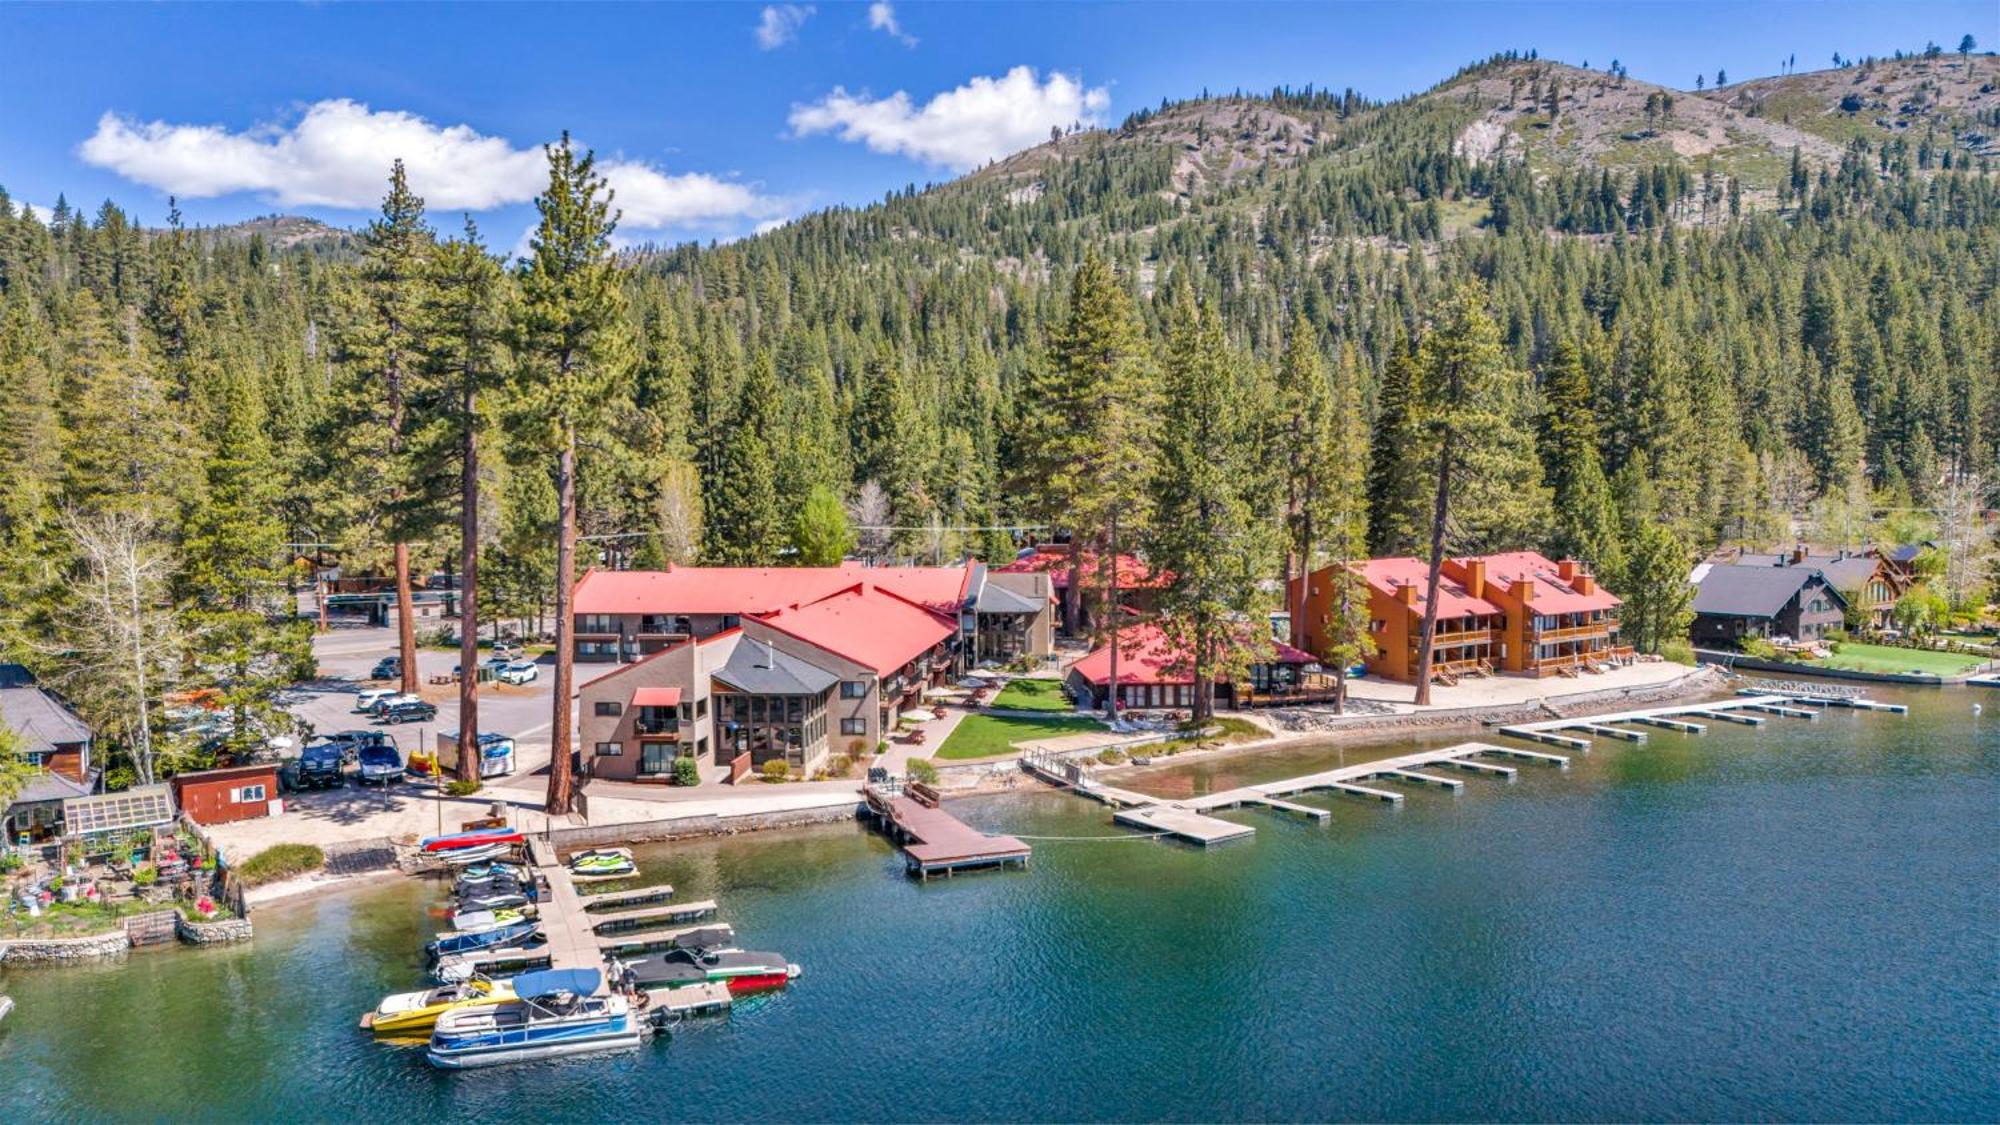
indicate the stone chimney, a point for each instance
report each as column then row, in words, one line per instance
column 1475, row 577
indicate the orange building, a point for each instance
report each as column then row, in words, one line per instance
column 1516, row 612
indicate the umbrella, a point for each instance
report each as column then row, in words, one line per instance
column 916, row 716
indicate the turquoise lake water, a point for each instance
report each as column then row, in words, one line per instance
column 1799, row 922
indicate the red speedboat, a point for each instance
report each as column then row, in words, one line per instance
column 476, row 838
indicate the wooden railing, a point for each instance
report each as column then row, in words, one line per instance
column 1573, row 632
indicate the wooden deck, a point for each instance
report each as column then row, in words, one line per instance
column 936, row 842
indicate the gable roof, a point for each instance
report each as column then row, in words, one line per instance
column 754, row 591
column 1754, row 591
column 1385, row 576
column 1552, row 594
column 868, row 625
column 1053, row 559
column 1146, row 656
column 40, row 719
column 1847, row 570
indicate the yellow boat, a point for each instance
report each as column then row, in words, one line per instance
column 415, row 1013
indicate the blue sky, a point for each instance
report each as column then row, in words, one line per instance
column 714, row 119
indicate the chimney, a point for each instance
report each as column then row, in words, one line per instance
column 1524, row 589
column 1407, row 593
column 1798, row 553
column 1584, row 584
column 1475, row 577
column 1568, row 569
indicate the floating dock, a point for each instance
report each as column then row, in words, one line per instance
column 650, row 917
column 936, row 842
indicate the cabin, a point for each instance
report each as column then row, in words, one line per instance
column 624, row 616
column 1870, row 582
column 225, row 795
column 1733, row 602
column 1153, row 673
column 798, row 685
column 55, row 744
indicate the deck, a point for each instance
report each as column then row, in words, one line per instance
column 936, row 842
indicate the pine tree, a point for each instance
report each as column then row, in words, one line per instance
column 1398, row 480
column 1345, row 639
column 574, row 347
column 465, row 312
column 1303, row 449
column 370, row 427
column 1586, row 520
column 1203, row 533
column 1659, row 602
column 745, row 525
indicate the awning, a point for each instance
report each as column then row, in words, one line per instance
column 583, row 982
column 657, row 697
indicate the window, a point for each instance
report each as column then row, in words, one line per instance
column 610, row 710
column 701, row 708
column 854, row 726
column 610, row 749
column 595, row 623
column 246, row 795
column 854, row 689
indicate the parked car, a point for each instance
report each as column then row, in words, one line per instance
column 406, row 711
column 392, row 699
column 381, row 765
column 351, row 741
column 387, row 668
column 366, row 699
column 488, row 667
column 320, row 767
column 507, row 649
column 520, row 672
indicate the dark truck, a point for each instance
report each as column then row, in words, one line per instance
column 320, row 767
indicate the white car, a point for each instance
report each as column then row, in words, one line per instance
column 519, row 672
column 366, row 699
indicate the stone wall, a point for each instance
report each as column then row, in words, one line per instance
column 219, row 932
column 62, row 951
column 689, row 827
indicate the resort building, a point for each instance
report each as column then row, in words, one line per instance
column 1732, row 602
column 799, row 684
column 1153, row 673
column 55, row 744
column 1870, row 582
column 1514, row 612
column 627, row 615
column 1137, row 584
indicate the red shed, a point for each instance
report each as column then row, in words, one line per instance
column 236, row 793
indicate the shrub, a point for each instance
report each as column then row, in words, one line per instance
column 776, row 770
column 686, row 772
column 460, row 788
column 1111, row 756
column 882, row 748
column 280, row 861
column 1680, row 652
column 839, row 766
column 1760, row 649
column 924, row 770
column 856, row 748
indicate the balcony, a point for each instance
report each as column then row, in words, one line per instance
column 1577, row 632
column 662, row 725
column 664, row 628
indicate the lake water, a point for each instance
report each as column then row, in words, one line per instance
column 1796, row 922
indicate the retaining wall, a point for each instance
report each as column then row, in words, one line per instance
column 688, row 827
column 1738, row 660
column 219, row 932
column 63, row 951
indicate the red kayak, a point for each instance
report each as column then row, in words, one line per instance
column 476, row 838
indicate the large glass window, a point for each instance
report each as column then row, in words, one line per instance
column 788, row 727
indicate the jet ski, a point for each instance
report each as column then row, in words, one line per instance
column 496, row 900
column 603, row 863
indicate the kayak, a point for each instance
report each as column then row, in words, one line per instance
column 478, row 853
column 473, row 838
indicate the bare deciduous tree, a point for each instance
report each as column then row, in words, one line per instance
column 869, row 511
column 680, row 512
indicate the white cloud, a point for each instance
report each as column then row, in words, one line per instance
column 780, row 24
column 882, row 17
column 962, row 128
column 769, row 225
column 337, row 155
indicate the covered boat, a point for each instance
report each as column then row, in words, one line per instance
column 514, row 933
column 554, row 1014
column 471, row 838
column 414, row 1013
column 741, row 970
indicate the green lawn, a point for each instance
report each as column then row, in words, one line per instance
column 1032, row 695
column 1888, row 658
column 982, row 736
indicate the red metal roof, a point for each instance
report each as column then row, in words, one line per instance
column 1387, row 575
column 751, row 591
column 1053, row 559
column 1145, row 656
column 657, row 697
column 1552, row 594
column 868, row 625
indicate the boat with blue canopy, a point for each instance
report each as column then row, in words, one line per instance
column 557, row 1013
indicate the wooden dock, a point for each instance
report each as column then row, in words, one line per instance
column 649, row 917
column 936, row 842
column 1182, row 822
column 1451, row 783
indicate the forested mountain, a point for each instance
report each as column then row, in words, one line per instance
column 1716, row 313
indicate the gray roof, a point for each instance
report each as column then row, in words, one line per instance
column 1847, row 571
column 1751, row 591
column 50, row 787
column 42, row 722
column 995, row 598
column 759, row 669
